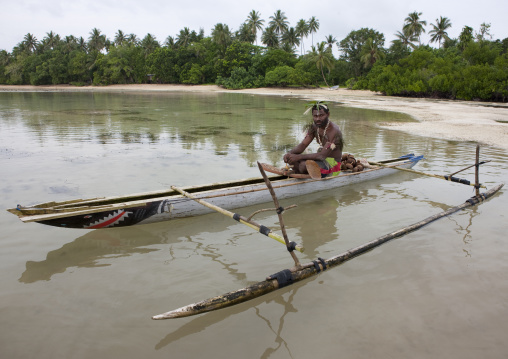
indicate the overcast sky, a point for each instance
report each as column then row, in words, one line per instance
column 167, row 17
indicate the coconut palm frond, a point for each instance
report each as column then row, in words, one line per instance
column 315, row 104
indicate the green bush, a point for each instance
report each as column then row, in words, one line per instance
column 280, row 76
column 240, row 78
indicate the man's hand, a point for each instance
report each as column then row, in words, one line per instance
column 291, row 158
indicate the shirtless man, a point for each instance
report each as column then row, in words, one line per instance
column 329, row 138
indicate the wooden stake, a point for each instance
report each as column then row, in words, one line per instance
column 240, row 219
column 477, row 171
column 310, row 269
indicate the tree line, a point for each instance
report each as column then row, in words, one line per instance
column 473, row 66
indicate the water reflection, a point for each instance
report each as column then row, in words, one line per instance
column 279, row 340
column 465, row 230
column 204, row 321
column 87, row 251
column 99, row 248
column 225, row 123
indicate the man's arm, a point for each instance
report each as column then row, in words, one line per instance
column 327, row 151
column 300, row 147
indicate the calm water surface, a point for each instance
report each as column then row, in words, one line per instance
column 439, row 292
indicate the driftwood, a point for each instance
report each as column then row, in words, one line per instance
column 446, row 178
column 288, row 277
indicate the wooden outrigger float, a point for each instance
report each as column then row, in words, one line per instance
column 293, row 275
column 300, row 272
column 166, row 205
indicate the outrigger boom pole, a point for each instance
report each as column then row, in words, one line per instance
column 262, row 229
column 446, row 178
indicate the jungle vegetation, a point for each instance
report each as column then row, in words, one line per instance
column 473, row 66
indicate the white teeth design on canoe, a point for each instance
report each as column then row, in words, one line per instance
column 120, row 215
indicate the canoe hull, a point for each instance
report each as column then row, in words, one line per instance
column 176, row 206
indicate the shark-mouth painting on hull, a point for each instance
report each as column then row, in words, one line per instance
column 113, row 218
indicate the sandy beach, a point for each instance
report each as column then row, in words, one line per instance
column 482, row 122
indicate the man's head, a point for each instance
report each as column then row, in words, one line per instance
column 320, row 114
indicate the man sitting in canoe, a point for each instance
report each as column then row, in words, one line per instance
column 329, row 138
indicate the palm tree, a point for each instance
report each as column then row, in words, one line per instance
column 51, row 40
column 255, row 23
column 270, row 38
column 201, row 34
column 302, row 30
column 290, row 39
column 120, row 38
column 183, row 38
column 170, row 42
column 132, row 40
column 82, row 44
column 323, row 57
column 222, row 36
column 330, row 41
column 149, row 44
column 371, row 53
column 96, row 41
column 313, row 27
column 70, row 43
column 30, row 42
column 244, row 34
column 465, row 37
column 438, row 32
column 414, row 25
column 279, row 22
column 405, row 38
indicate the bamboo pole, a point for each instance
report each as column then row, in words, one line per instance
column 468, row 167
column 279, row 210
column 241, row 219
column 310, row 269
column 446, row 178
column 269, row 209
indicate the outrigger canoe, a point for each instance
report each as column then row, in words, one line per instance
column 158, row 206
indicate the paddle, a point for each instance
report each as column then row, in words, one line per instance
column 313, row 169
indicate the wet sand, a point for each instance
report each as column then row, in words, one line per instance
column 482, row 122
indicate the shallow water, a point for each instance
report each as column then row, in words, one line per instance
column 441, row 291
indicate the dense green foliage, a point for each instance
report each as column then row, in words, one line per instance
column 480, row 72
column 471, row 67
